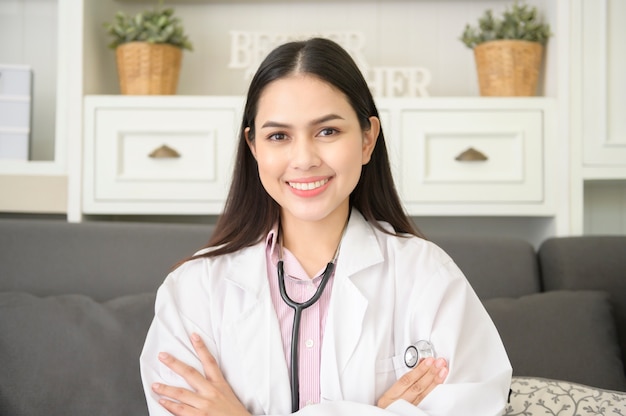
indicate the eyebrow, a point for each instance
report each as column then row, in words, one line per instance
column 321, row 120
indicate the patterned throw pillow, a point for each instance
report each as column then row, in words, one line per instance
column 540, row 396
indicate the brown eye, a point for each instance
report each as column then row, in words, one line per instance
column 328, row 132
column 277, row 137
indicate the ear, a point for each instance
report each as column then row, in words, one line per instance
column 246, row 134
column 369, row 139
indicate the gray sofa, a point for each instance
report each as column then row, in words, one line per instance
column 76, row 301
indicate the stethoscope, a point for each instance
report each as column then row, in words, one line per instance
column 416, row 352
column 413, row 354
column 298, row 307
column 295, row 331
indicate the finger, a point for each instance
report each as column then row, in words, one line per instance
column 209, row 364
column 442, row 366
column 423, row 385
column 417, row 383
column 175, row 408
column 409, row 379
column 399, row 388
column 177, row 398
column 435, row 375
column 189, row 373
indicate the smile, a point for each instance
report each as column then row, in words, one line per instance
column 308, row 186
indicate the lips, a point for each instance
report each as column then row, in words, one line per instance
column 308, row 186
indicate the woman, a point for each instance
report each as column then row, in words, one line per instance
column 313, row 210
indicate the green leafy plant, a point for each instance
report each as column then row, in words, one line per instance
column 154, row 26
column 520, row 23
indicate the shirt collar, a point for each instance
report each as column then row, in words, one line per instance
column 271, row 244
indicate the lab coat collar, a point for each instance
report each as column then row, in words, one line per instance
column 360, row 249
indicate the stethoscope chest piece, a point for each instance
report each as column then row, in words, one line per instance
column 416, row 352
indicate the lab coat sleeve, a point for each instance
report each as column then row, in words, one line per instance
column 170, row 332
column 463, row 333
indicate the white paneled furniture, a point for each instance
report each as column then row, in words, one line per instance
column 603, row 62
column 598, row 122
column 197, row 135
column 158, row 155
column 474, row 156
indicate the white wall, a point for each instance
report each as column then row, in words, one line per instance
column 398, row 33
column 605, row 207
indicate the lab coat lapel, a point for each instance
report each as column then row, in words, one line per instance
column 359, row 250
column 256, row 335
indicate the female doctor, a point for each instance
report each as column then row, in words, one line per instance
column 315, row 292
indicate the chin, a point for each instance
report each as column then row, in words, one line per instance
column 312, row 214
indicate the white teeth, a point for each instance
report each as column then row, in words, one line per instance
column 307, row 186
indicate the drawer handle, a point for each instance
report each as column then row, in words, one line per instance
column 164, row 152
column 471, row 155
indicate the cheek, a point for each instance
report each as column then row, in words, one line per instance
column 268, row 162
column 351, row 157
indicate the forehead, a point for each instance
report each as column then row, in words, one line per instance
column 303, row 95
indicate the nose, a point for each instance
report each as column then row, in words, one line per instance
column 304, row 153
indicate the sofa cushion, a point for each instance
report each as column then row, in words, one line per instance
column 589, row 263
column 70, row 355
column 102, row 260
column 562, row 335
column 494, row 266
column 539, row 396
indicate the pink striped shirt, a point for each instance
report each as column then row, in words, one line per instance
column 300, row 287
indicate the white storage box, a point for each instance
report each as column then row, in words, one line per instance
column 15, row 80
column 14, row 112
column 14, row 144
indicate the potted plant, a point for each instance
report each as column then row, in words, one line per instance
column 508, row 50
column 148, row 49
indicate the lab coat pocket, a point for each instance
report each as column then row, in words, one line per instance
column 385, row 374
column 399, row 367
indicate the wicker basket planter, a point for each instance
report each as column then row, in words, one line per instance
column 147, row 68
column 508, row 67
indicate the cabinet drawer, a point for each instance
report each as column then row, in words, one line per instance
column 162, row 155
column 472, row 156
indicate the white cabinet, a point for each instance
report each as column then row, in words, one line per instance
column 603, row 59
column 473, row 156
column 158, row 155
column 597, row 126
column 196, row 138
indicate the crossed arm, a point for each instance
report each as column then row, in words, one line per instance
column 211, row 393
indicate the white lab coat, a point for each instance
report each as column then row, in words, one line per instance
column 388, row 292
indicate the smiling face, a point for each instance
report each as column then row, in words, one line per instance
column 309, row 148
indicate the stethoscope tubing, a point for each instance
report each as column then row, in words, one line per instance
column 298, row 307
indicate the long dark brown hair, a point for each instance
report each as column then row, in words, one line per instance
column 250, row 212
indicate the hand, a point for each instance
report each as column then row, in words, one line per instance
column 211, row 394
column 417, row 383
